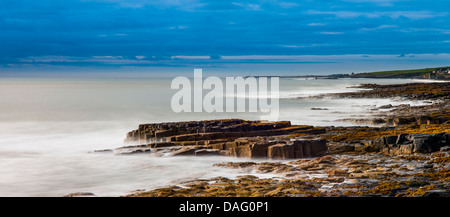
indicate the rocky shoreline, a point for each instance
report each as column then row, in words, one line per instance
column 407, row 155
column 435, row 95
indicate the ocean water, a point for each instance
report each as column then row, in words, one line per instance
column 50, row 126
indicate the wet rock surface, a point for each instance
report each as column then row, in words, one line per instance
column 339, row 175
column 235, row 137
column 195, row 130
column 434, row 95
column 418, row 91
column 407, row 156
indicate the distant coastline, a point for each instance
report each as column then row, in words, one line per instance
column 438, row 73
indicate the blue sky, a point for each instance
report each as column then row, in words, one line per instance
column 218, row 35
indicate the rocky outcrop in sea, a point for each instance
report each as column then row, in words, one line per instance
column 234, row 137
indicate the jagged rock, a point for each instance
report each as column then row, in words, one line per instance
column 281, row 151
column 256, row 150
column 420, row 142
column 365, row 142
column 309, row 148
column 103, row 150
column 386, row 106
column 380, row 143
column 337, row 172
column 163, row 133
column 423, row 120
column 401, row 149
column 232, row 148
column 135, row 151
column 424, row 143
column 403, row 120
column 437, row 193
column 346, row 148
column 318, row 147
column 445, row 148
column 409, row 143
column 376, row 121
column 402, row 138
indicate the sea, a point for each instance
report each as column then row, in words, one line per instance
column 51, row 127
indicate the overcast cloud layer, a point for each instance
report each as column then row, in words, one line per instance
column 119, row 34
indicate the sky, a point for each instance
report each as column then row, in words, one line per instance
column 250, row 37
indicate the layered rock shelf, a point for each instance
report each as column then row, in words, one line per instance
column 207, row 130
column 233, row 137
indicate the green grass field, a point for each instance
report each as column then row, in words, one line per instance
column 402, row 73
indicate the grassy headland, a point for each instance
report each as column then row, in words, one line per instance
column 428, row 73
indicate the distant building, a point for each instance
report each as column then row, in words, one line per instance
column 443, row 70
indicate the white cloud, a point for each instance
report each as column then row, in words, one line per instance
column 331, row 33
column 178, row 27
column 442, row 31
column 316, row 24
column 187, row 5
column 377, row 14
column 287, row 4
column 378, row 2
column 191, row 57
column 379, row 27
column 251, row 7
column 305, row 46
column 112, row 35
